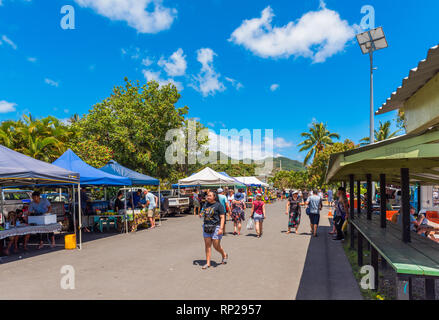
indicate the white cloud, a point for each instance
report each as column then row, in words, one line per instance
column 9, row 42
column 207, row 81
column 147, row 62
column 51, row 82
column 281, row 143
column 317, row 35
column 274, row 87
column 176, row 64
column 6, row 107
column 238, row 85
column 151, row 75
column 32, row 59
column 146, row 16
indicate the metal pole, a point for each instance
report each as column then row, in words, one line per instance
column 358, row 197
column 372, row 124
column 80, row 216
column 74, row 213
column 372, row 120
column 125, row 210
column 3, row 218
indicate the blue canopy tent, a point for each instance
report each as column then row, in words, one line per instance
column 17, row 169
column 89, row 176
column 137, row 179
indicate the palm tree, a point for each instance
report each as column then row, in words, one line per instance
column 7, row 134
column 316, row 140
column 383, row 133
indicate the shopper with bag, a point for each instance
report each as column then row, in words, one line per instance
column 258, row 214
column 293, row 211
column 238, row 212
column 341, row 213
column 214, row 217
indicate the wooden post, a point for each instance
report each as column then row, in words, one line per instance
column 374, row 264
column 430, row 293
column 352, row 236
column 405, row 204
column 369, row 196
column 360, row 249
column 358, row 197
column 383, row 200
column 351, row 197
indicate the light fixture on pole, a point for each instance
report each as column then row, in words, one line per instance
column 371, row 41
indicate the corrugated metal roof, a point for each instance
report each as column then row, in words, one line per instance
column 417, row 78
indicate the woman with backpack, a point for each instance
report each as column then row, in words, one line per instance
column 258, row 214
column 238, row 212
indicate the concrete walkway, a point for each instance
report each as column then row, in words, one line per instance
column 165, row 263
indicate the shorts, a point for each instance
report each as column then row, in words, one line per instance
column 150, row 213
column 197, row 204
column 214, row 236
column 314, row 218
column 258, row 217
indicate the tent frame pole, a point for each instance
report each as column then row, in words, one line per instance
column 125, row 211
column 80, row 216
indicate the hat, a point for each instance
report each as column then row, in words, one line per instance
column 239, row 196
column 295, row 192
column 220, row 190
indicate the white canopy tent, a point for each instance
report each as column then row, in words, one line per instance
column 252, row 181
column 207, row 177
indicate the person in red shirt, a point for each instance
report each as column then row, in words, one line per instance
column 258, row 214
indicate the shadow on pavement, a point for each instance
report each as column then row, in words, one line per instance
column 327, row 274
column 201, row 263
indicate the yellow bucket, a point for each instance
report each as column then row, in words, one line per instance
column 70, row 241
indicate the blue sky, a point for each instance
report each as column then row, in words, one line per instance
column 292, row 63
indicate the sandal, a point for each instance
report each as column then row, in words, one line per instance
column 224, row 261
column 206, row 266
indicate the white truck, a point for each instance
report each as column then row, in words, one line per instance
column 173, row 204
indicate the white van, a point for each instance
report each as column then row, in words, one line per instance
column 13, row 200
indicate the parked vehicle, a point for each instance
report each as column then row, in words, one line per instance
column 172, row 203
column 13, row 200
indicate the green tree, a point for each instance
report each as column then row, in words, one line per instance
column 320, row 163
column 133, row 122
column 316, row 140
column 383, row 133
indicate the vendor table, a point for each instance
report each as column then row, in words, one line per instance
column 134, row 221
column 21, row 231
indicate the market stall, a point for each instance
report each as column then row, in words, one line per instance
column 17, row 169
column 139, row 217
column 207, row 177
column 90, row 176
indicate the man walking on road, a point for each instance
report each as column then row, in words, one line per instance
column 223, row 200
column 315, row 204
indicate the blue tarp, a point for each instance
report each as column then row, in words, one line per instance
column 136, row 178
column 89, row 175
column 19, row 169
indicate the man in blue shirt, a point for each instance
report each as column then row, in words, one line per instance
column 223, row 200
column 151, row 204
column 39, row 207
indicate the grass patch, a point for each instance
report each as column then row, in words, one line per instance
column 352, row 256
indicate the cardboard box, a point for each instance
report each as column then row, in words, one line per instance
column 42, row 220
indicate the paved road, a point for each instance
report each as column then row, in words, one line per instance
column 165, row 263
